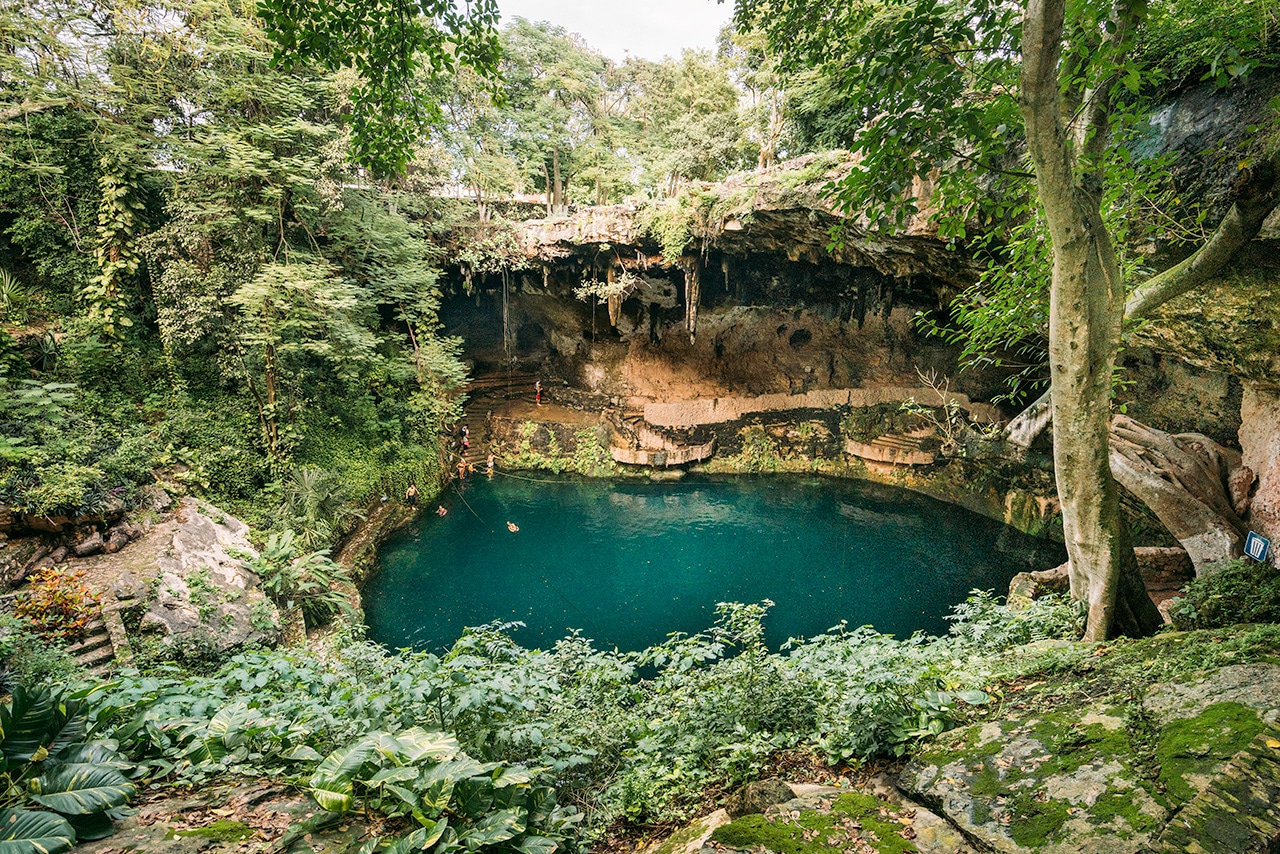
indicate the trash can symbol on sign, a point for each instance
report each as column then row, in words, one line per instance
column 1257, row 546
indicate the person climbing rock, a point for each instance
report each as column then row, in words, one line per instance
column 411, row 495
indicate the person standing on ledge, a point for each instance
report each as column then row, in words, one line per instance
column 489, row 465
column 537, row 392
column 411, row 495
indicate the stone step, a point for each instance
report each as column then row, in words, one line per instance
column 96, row 659
column 92, row 642
column 1239, row 811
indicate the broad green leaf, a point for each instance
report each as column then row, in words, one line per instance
column 436, row 796
column 537, row 845
column 96, row 825
column 417, row 744
column 541, row 803
column 30, row 832
column 303, row 753
column 408, row 844
column 393, row 775
column 494, row 828
column 473, row 797
column 94, row 753
column 81, row 789
column 25, row 722
column 228, row 725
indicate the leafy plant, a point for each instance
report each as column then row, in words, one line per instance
column 456, row 802
column 58, row 604
column 12, row 297
column 1229, row 592
column 316, row 507
column 60, row 786
column 296, row 578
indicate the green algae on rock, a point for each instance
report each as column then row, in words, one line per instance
column 849, row 822
column 1095, row 775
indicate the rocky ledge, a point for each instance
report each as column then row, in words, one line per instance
column 187, row 580
column 1124, row 749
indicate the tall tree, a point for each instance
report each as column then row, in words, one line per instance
column 948, row 91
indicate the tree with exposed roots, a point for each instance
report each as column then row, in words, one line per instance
column 953, row 92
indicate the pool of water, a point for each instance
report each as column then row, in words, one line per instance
column 628, row 562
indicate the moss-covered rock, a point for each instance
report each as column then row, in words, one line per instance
column 1095, row 776
column 848, row 822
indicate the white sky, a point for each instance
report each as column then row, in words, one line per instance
column 650, row 29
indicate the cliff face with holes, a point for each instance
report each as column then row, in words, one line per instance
column 729, row 289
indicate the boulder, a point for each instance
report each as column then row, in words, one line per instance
column 690, row 839
column 1081, row 778
column 758, row 796
column 206, row 596
column 1026, row 586
column 128, row 588
column 90, row 545
column 826, row 819
column 154, row 498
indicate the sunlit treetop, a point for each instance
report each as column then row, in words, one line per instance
column 392, row 44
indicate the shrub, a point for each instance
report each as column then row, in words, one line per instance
column 58, row 604
column 28, row 659
column 1229, row 592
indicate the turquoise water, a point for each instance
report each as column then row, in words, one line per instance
column 629, row 562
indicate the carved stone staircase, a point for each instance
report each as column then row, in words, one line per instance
column 634, row 441
column 897, row 448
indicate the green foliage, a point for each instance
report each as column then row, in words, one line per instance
column 455, row 801
column 61, row 784
column 1229, row 592
column 591, row 457
column 294, row 577
column 759, row 450
column 28, row 659
column 316, row 509
column 671, row 222
column 388, row 43
column 707, row 712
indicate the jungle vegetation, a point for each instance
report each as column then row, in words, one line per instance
column 221, row 241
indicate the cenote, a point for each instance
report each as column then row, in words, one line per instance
column 629, row 562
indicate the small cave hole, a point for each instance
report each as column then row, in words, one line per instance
column 799, row 338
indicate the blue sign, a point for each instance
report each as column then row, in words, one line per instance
column 1256, row 546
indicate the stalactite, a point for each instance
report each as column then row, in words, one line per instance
column 692, row 288
column 615, row 300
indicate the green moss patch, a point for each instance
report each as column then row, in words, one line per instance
column 1036, row 822
column 851, row 817
column 224, row 830
column 1199, row 746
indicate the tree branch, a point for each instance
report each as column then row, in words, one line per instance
column 1257, row 193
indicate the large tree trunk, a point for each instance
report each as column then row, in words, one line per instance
column 1086, row 306
column 558, row 197
column 1195, row 486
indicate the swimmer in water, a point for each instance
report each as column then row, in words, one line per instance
column 512, row 527
column 440, row 511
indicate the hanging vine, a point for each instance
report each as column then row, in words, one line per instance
column 119, row 215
